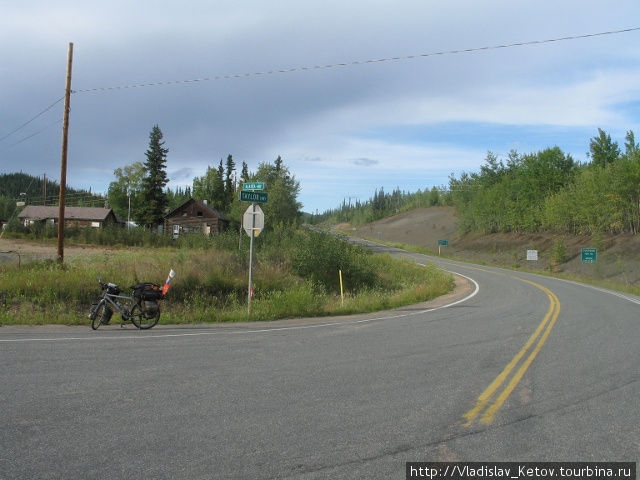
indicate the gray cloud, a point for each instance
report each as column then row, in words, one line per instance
column 306, row 116
column 182, row 174
column 365, row 162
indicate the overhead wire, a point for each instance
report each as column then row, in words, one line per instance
column 32, row 135
column 17, row 129
column 306, row 68
column 353, row 63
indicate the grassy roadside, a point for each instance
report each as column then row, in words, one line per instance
column 295, row 275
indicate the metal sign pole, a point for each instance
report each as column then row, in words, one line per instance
column 253, row 225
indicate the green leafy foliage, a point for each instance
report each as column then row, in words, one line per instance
column 549, row 191
column 319, row 257
column 211, row 187
column 603, row 150
column 510, row 197
column 126, row 190
column 283, row 190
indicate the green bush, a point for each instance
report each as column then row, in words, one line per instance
column 319, row 257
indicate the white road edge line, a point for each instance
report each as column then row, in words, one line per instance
column 263, row 330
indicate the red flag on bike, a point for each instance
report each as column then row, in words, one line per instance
column 167, row 284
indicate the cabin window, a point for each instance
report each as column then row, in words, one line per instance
column 199, row 213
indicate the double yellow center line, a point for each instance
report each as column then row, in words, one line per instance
column 487, row 408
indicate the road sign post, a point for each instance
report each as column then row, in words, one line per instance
column 442, row 243
column 252, row 221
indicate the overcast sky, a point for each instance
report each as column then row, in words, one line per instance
column 344, row 131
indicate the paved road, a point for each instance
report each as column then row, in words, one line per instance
column 525, row 368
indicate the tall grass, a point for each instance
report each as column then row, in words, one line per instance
column 295, row 274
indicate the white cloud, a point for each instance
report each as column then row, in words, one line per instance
column 590, row 102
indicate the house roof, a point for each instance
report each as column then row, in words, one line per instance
column 201, row 204
column 70, row 213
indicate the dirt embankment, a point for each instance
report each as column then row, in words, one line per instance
column 618, row 257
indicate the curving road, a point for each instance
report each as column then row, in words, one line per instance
column 518, row 367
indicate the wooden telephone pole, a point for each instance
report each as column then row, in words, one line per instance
column 63, row 167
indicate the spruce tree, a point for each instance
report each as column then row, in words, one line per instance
column 245, row 172
column 151, row 212
column 229, row 189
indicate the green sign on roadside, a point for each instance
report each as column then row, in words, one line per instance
column 253, row 186
column 589, row 255
column 253, row 197
column 444, row 243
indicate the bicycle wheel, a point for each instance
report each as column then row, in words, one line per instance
column 96, row 315
column 144, row 319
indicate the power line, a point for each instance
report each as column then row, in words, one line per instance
column 31, row 120
column 354, row 63
column 32, row 135
column 306, row 68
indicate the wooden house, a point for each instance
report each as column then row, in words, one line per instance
column 194, row 216
column 73, row 216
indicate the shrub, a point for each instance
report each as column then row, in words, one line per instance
column 318, row 257
column 558, row 253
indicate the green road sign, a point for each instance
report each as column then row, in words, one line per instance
column 444, row 243
column 589, row 255
column 253, row 186
column 253, row 197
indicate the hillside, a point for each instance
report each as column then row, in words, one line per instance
column 618, row 255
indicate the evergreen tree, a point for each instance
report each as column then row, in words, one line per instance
column 245, row 172
column 178, row 196
column 151, row 212
column 229, row 188
column 278, row 164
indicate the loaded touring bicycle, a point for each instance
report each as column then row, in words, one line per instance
column 142, row 307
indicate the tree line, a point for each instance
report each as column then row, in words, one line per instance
column 381, row 205
column 550, row 191
column 139, row 192
column 543, row 191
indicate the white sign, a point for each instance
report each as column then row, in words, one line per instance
column 532, row 255
column 253, row 219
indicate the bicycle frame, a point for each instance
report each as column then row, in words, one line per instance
column 112, row 300
column 142, row 313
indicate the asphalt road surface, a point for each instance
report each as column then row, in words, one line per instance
column 518, row 368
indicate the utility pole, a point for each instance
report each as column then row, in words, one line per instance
column 63, row 167
column 44, row 189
